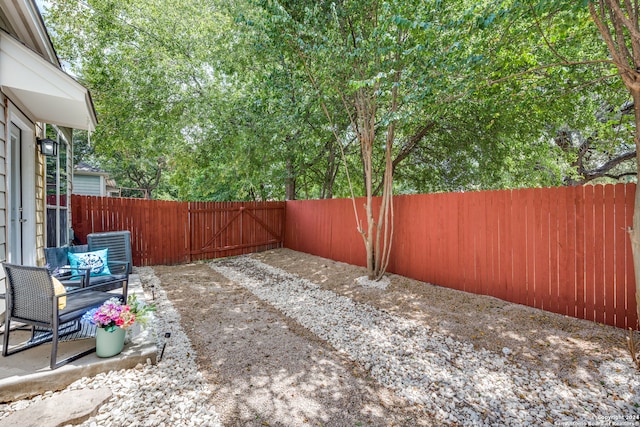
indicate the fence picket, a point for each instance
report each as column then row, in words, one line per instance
column 609, row 255
column 561, row 281
column 621, row 238
column 599, row 243
column 631, row 314
column 556, row 239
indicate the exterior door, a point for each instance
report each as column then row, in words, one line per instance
column 16, row 217
column 21, row 185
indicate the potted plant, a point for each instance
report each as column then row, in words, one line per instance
column 112, row 318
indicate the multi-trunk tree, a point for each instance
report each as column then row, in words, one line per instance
column 366, row 61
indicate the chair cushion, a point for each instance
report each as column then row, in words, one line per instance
column 58, row 288
column 79, row 303
column 96, row 261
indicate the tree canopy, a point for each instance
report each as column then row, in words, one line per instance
column 265, row 99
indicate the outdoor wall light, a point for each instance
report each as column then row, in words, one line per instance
column 48, row 147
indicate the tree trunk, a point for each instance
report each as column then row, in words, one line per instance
column 290, row 181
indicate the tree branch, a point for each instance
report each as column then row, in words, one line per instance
column 544, row 37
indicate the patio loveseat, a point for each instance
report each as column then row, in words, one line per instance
column 102, row 275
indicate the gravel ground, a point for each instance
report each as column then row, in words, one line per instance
column 265, row 369
column 282, row 338
column 454, row 381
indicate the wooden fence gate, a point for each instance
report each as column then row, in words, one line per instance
column 231, row 228
column 164, row 232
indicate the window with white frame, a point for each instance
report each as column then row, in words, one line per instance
column 58, row 199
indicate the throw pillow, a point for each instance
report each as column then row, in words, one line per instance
column 58, row 288
column 96, row 261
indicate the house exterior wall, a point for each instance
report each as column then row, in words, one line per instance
column 88, row 185
column 41, row 207
column 3, row 180
column 31, row 93
column 3, row 193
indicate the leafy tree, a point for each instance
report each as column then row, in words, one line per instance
column 138, row 62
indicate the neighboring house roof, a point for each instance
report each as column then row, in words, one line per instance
column 30, row 72
column 83, row 168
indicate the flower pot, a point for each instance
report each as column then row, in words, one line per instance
column 109, row 343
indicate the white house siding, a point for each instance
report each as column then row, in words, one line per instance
column 87, row 185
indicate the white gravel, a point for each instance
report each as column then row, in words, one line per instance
column 455, row 382
column 171, row 393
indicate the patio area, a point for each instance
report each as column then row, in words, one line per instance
column 27, row 374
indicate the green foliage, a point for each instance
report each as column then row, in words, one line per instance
column 226, row 100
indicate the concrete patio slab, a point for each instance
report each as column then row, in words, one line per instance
column 27, row 374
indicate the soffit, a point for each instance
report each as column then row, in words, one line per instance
column 46, row 92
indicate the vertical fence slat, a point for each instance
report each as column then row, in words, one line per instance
column 589, row 250
column 565, row 279
column 482, row 258
column 464, row 263
column 541, row 284
column 620, row 256
column 531, row 247
column 598, row 231
column 575, row 295
column 519, row 246
column 555, row 240
column 454, row 279
column 577, row 196
column 492, row 227
column 506, row 244
column 609, row 255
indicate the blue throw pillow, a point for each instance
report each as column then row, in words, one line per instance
column 96, row 261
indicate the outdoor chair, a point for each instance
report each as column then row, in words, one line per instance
column 57, row 260
column 59, row 265
column 31, row 300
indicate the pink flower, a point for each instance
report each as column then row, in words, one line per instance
column 113, row 314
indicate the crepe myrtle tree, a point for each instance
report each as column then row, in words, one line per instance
column 366, row 64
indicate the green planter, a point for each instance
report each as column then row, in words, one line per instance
column 109, row 343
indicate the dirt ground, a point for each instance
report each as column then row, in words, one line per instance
column 266, row 370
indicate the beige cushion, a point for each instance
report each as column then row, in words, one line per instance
column 58, row 288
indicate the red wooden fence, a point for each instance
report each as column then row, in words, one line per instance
column 164, row 232
column 564, row 250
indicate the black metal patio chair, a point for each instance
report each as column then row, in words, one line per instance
column 31, row 300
